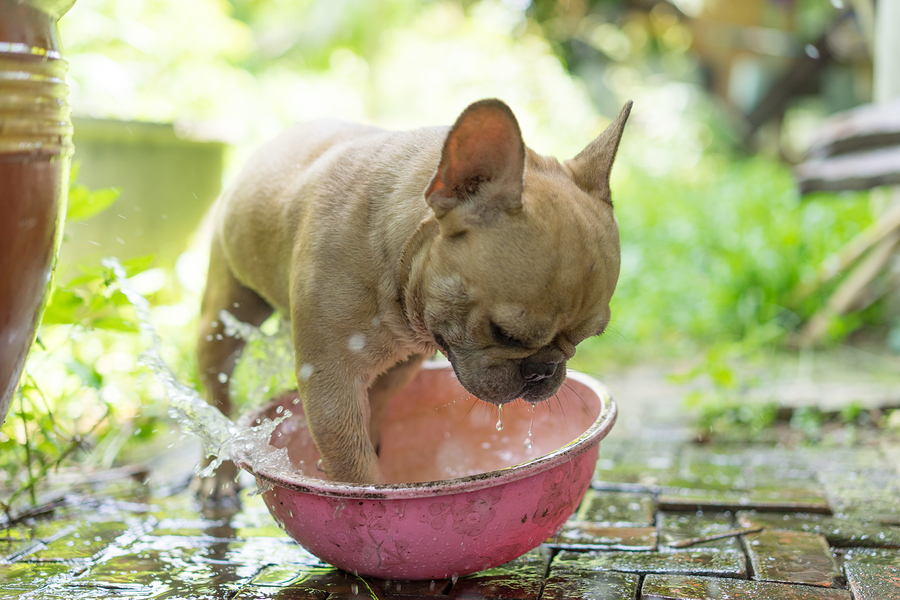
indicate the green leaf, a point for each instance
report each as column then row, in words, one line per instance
column 114, row 324
column 86, row 373
column 138, row 264
column 63, row 308
column 84, row 204
column 86, row 277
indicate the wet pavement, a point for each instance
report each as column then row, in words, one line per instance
column 666, row 518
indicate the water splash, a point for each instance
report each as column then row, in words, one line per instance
column 221, row 437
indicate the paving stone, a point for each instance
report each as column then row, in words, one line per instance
column 262, row 550
column 644, row 465
column 87, row 539
column 264, row 593
column 863, row 490
column 15, row 541
column 845, row 459
column 679, row 527
column 520, row 579
column 417, row 589
column 839, row 530
column 617, row 509
column 160, row 574
column 311, row 582
column 305, row 581
column 27, row 577
column 792, row 557
column 254, row 520
column 780, row 500
column 678, row 587
column 751, row 476
column 283, row 575
column 183, row 506
column 172, row 563
column 307, row 577
column 577, row 535
column 175, row 549
column 77, row 593
column 720, row 563
column 888, row 557
column 194, row 527
column 590, row 586
column 142, row 570
column 873, row 582
column 48, row 531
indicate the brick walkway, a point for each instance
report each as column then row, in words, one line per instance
column 666, row 518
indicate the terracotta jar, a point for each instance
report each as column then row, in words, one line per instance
column 35, row 151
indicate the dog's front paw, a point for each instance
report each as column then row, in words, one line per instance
column 220, row 489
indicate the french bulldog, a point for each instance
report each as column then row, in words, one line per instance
column 384, row 247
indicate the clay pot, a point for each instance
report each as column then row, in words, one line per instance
column 35, row 151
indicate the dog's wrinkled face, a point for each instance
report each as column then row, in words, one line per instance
column 527, row 258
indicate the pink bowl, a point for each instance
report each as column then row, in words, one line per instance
column 463, row 496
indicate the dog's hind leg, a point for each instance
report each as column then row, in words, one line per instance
column 217, row 353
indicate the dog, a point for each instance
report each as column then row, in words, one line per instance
column 384, row 247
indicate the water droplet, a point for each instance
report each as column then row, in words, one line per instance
column 354, row 588
column 279, row 410
column 305, row 371
column 223, row 378
column 357, row 342
column 499, row 425
column 431, row 586
column 527, row 443
column 812, row 51
column 838, row 4
column 320, row 465
column 454, row 578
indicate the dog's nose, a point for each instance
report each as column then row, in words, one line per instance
column 533, row 372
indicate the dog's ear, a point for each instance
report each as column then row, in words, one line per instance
column 593, row 165
column 482, row 164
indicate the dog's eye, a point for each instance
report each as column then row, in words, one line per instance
column 503, row 338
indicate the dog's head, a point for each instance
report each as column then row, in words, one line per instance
column 527, row 255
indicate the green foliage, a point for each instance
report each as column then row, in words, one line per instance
column 83, row 399
column 732, row 416
column 714, row 256
column 93, row 300
column 84, row 203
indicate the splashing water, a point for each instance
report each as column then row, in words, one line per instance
column 222, row 438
